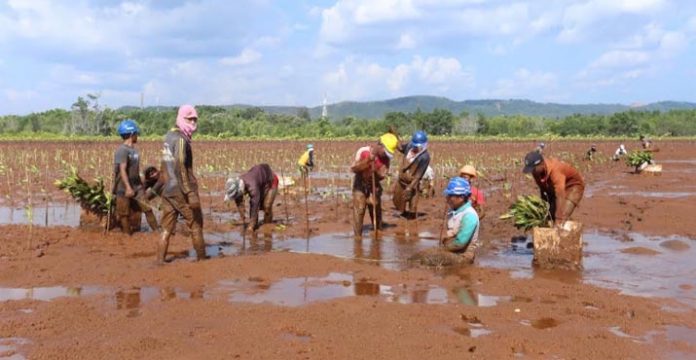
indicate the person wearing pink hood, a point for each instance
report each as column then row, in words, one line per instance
column 180, row 191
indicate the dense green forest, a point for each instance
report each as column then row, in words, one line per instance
column 87, row 117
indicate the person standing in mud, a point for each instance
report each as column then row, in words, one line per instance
column 463, row 221
column 559, row 184
column 128, row 187
column 306, row 161
column 370, row 166
column 180, row 190
column 478, row 200
column 413, row 167
column 589, row 154
column 261, row 184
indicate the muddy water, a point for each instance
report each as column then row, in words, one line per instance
column 634, row 264
column 390, row 252
column 10, row 348
column 47, row 293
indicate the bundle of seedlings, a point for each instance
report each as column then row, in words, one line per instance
column 528, row 212
column 91, row 197
column 636, row 159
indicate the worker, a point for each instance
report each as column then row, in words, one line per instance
column 260, row 183
column 306, row 161
column 370, row 166
column 180, row 191
column 128, row 187
column 478, row 200
column 463, row 221
column 620, row 152
column 589, row 154
column 540, row 148
column 413, row 166
column 427, row 184
column 559, row 184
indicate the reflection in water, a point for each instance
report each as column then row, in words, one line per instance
column 388, row 252
column 46, row 293
column 661, row 274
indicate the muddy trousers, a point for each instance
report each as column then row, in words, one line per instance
column 362, row 200
column 125, row 206
column 404, row 201
column 468, row 251
column 189, row 207
column 573, row 196
column 268, row 200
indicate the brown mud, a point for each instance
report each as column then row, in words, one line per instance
column 67, row 292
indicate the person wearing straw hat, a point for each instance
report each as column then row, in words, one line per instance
column 371, row 165
column 478, row 200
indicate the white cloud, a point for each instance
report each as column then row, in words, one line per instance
column 525, row 83
column 406, row 41
column 580, row 16
column 355, row 79
column 620, row 59
column 246, row 57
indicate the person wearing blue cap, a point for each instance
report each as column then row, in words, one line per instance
column 127, row 186
column 413, row 167
column 463, row 221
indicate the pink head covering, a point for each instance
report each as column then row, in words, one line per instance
column 187, row 128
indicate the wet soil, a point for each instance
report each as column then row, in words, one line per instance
column 67, row 292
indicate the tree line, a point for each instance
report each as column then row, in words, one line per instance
column 88, row 117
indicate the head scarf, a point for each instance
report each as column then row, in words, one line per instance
column 187, row 128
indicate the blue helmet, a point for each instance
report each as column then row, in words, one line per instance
column 128, row 127
column 458, row 186
column 419, row 138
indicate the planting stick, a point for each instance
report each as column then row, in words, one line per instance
column 374, row 200
column 442, row 226
column 304, row 178
column 285, row 198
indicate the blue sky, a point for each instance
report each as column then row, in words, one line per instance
column 293, row 52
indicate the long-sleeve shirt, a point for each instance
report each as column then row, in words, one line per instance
column 257, row 181
column 463, row 225
column 177, row 165
column 307, row 159
column 413, row 168
column 553, row 184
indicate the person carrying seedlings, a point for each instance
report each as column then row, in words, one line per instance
column 559, row 184
column 261, row 184
column 589, row 154
column 306, row 162
column 478, row 200
column 620, row 152
column 128, row 187
column 370, row 166
column 180, row 186
column 463, row 221
column 413, row 167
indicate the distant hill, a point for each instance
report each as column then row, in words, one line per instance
column 377, row 109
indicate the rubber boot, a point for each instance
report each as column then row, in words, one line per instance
column 125, row 225
column 162, row 247
column 152, row 221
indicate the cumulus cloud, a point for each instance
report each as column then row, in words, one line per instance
column 247, row 56
column 356, row 79
column 538, row 85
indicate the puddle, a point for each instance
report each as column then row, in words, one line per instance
column 388, row 252
column 305, row 290
column 47, row 293
column 681, row 334
column 64, row 214
column 611, row 263
column 473, row 332
column 656, row 194
column 9, row 348
column 645, row 339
